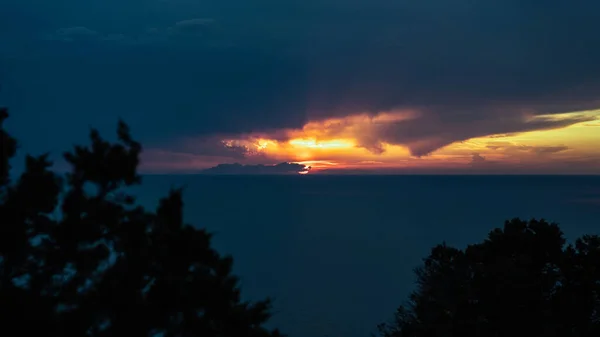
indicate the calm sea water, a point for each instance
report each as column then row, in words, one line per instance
column 337, row 252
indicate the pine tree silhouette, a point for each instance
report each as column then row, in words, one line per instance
column 78, row 257
column 520, row 281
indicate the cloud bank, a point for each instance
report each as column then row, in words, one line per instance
column 179, row 69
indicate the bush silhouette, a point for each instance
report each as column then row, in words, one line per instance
column 521, row 281
column 78, row 257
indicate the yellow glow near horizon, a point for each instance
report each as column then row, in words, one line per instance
column 333, row 143
column 325, row 144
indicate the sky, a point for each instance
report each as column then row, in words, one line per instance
column 372, row 86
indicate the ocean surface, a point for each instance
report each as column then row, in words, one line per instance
column 337, row 252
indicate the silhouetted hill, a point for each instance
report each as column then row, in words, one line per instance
column 236, row 168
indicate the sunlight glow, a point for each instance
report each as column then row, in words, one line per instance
column 325, row 144
column 335, row 143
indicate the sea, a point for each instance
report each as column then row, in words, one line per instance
column 337, row 253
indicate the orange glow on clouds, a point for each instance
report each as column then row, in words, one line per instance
column 324, row 144
column 336, row 144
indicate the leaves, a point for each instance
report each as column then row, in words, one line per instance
column 521, row 280
column 79, row 257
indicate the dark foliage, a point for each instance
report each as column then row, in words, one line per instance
column 521, row 281
column 78, row 257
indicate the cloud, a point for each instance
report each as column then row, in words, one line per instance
column 164, row 161
column 193, row 25
column 194, row 155
column 236, row 168
column 114, row 37
column 196, row 30
column 80, row 34
column 477, row 159
column 466, row 69
column 422, row 134
column 190, row 27
column 427, row 133
column 214, row 146
column 70, row 34
column 547, row 149
column 539, row 150
column 480, row 162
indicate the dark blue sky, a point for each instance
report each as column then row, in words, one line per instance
column 179, row 68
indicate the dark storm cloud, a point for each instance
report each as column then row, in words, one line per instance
column 212, row 146
column 236, row 168
column 435, row 130
column 472, row 68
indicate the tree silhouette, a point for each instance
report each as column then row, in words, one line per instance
column 78, row 257
column 521, row 281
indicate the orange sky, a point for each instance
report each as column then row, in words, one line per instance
column 347, row 145
column 335, row 144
